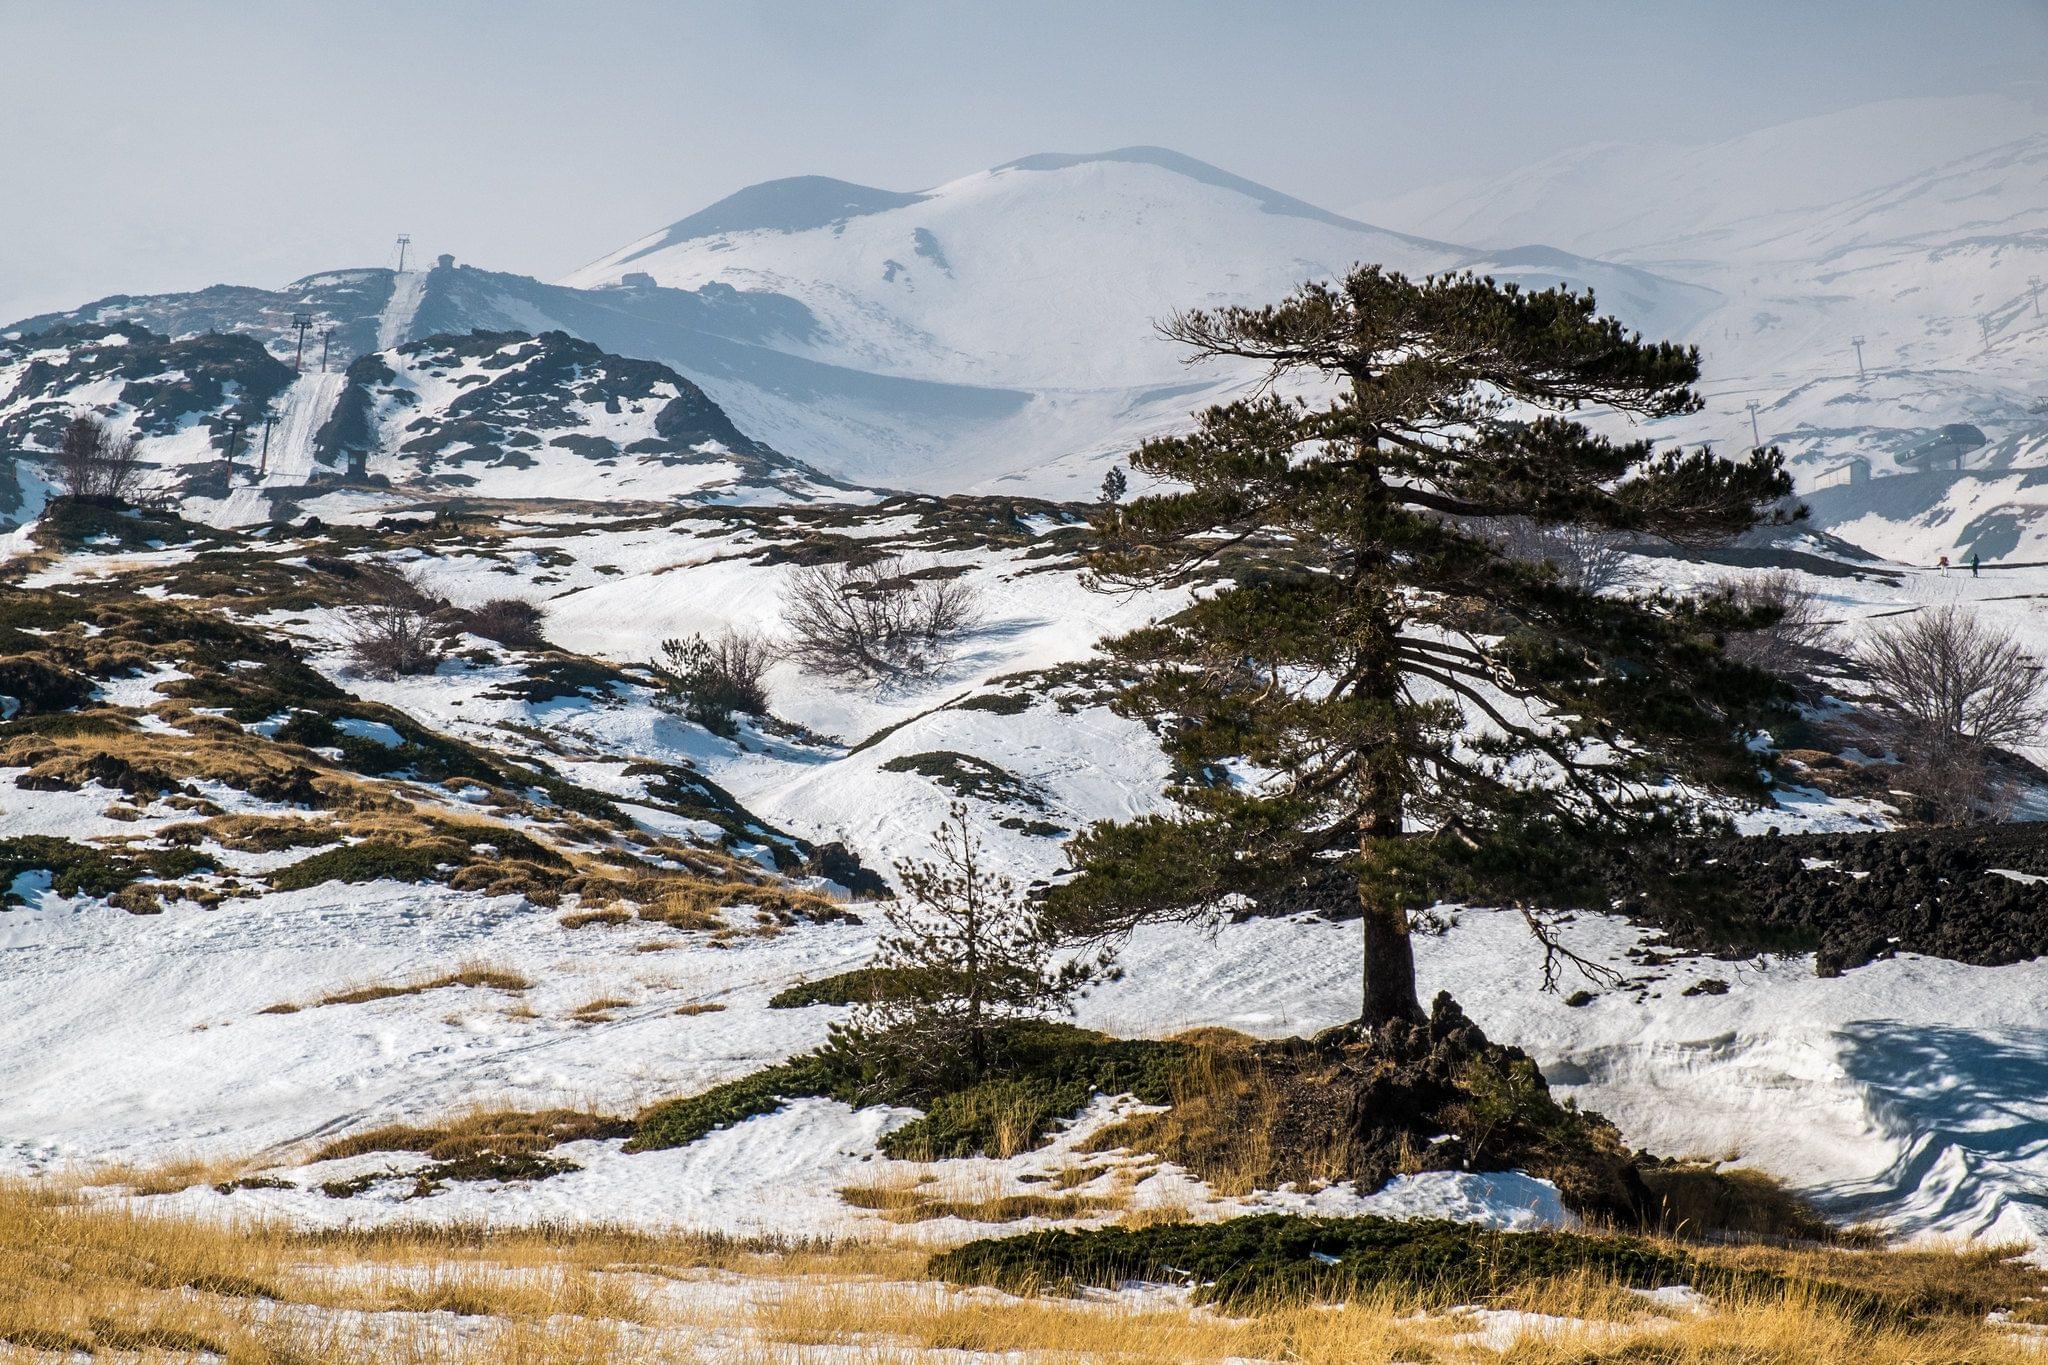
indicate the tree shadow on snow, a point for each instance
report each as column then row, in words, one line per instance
column 1971, row 1109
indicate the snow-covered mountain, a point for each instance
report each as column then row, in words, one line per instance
column 1875, row 281
column 995, row 332
column 504, row 414
column 1044, row 278
column 1627, row 201
column 234, row 435
column 347, row 312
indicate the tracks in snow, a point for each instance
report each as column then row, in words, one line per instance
column 305, row 409
column 408, row 288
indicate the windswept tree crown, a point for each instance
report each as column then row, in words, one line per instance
column 1366, row 679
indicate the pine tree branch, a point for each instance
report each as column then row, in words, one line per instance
column 1574, row 770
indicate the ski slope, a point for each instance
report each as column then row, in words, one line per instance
column 408, row 289
column 303, row 410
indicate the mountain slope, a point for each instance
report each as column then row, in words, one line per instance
column 1045, row 277
column 346, row 303
column 501, row 414
column 1626, row 200
column 1872, row 272
column 181, row 399
column 504, row 414
column 996, row 332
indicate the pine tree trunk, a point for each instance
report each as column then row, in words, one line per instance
column 1389, row 963
column 1389, row 966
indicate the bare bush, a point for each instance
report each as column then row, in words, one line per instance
column 387, row 640
column 711, row 681
column 877, row 620
column 1794, row 632
column 1586, row 559
column 392, row 631
column 1956, row 689
column 509, row 621
column 93, row 462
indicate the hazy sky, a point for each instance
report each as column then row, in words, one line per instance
column 148, row 146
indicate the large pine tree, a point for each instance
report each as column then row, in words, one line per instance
column 1367, row 682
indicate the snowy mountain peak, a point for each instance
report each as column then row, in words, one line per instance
column 1271, row 200
column 1022, row 300
column 795, row 204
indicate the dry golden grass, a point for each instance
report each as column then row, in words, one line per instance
column 472, row 974
column 699, row 903
column 503, row 1132
column 916, row 1201
column 610, row 917
column 1225, row 1110
column 1739, row 1203
column 105, row 1279
column 690, row 1011
column 230, row 758
column 1961, row 1279
column 598, row 1011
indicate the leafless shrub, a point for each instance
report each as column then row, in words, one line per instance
column 389, row 641
column 392, row 633
column 93, row 462
column 1796, row 631
column 711, row 681
column 509, row 621
column 877, row 620
column 1956, row 690
column 1586, row 559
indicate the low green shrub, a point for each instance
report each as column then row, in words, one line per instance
column 855, row 987
column 677, row 1123
column 1285, row 1258
column 40, row 686
column 370, row 861
column 1040, row 1073
column 83, row 870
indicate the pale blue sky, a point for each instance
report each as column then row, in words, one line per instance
column 146, row 146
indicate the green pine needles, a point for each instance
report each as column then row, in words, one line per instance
column 1367, row 680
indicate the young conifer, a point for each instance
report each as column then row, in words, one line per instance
column 963, row 956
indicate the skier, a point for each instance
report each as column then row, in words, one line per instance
column 1942, row 564
column 1973, row 563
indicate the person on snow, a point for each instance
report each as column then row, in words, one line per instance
column 1973, row 563
column 1942, row 564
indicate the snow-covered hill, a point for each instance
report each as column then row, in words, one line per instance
column 1044, row 278
column 504, row 414
column 501, row 414
column 343, row 310
column 184, row 400
column 1625, row 201
column 1912, row 1078
column 1913, row 231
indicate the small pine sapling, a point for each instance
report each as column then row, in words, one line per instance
column 965, row 954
